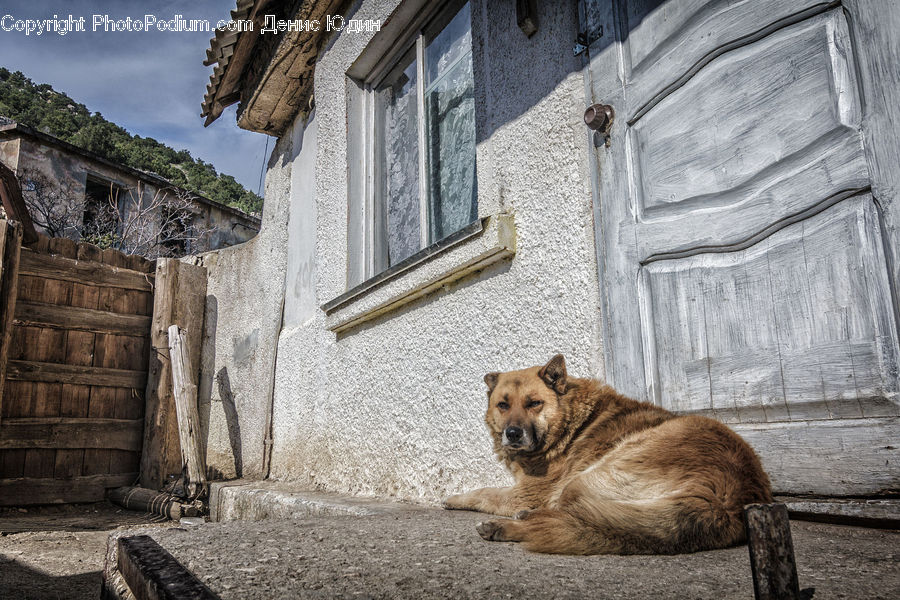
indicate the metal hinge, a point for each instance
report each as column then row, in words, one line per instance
column 585, row 39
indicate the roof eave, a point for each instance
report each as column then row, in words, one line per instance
column 270, row 76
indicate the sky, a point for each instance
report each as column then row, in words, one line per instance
column 150, row 83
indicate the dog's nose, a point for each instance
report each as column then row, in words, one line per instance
column 514, row 434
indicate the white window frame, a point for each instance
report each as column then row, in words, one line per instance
column 490, row 240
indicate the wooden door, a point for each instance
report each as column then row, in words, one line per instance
column 747, row 223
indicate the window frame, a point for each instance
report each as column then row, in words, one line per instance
column 375, row 246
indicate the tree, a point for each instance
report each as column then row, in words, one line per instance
column 52, row 207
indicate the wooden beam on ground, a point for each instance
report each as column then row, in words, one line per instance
column 10, row 245
column 24, row 370
column 36, row 314
column 26, row 491
column 14, row 204
column 185, row 391
column 51, row 266
column 771, row 552
column 71, row 433
column 179, row 299
column 153, row 574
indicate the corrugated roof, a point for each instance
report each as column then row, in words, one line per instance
column 219, row 53
column 271, row 75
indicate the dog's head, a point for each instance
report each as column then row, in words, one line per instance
column 523, row 406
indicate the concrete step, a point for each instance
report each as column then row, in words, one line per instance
column 260, row 500
column 867, row 512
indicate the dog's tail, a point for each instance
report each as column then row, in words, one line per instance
column 660, row 526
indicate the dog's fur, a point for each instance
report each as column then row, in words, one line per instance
column 599, row 473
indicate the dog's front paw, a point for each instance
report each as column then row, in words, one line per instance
column 492, row 531
column 456, row 502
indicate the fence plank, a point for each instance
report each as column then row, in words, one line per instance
column 80, row 351
column 10, row 244
column 12, row 463
column 71, row 433
column 22, row 370
column 85, row 272
column 81, row 319
column 26, row 491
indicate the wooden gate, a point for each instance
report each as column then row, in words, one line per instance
column 72, row 407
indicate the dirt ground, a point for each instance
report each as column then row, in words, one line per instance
column 433, row 553
column 57, row 552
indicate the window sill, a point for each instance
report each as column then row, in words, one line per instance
column 479, row 245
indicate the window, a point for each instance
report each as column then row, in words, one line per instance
column 423, row 140
column 102, row 200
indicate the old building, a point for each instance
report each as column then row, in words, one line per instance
column 71, row 192
column 696, row 201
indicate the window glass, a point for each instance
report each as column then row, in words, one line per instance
column 426, row 99
column 450, row 127
column 450, row 134
column 399, row 159
column 449, row 45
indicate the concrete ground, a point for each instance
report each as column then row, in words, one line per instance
column 431, row 553
column 57, row 552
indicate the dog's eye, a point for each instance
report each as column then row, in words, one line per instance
column 534, row 404
column 503, row 405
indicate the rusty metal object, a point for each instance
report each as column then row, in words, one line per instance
column 772, row 553
column 599, row 118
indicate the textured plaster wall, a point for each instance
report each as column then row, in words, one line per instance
column 395, row 406
column 243, row 318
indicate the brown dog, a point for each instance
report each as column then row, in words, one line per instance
column 599, row 473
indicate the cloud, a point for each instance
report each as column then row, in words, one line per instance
column 150, row 83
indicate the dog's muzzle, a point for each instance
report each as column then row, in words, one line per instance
column 516, row 437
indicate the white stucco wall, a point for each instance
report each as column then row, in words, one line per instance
column 242, row 322
column 394, row 407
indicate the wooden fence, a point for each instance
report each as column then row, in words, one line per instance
column 77, row 352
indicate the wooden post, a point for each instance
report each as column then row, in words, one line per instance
column 179, row 299
column 771, row 552
column 10, row 245
column 193, row 465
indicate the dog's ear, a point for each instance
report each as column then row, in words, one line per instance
column 491, row 380
column 554, row 374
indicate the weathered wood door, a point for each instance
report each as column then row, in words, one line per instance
column 747, row 223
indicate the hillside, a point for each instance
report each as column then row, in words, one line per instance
column 45, row 109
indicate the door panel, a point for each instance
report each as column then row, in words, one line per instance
column 754, row 115
column 796, row 327
column 745, row 251
column 666, row 42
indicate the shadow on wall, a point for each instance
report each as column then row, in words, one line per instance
column 231, row 419
column 223, row 385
